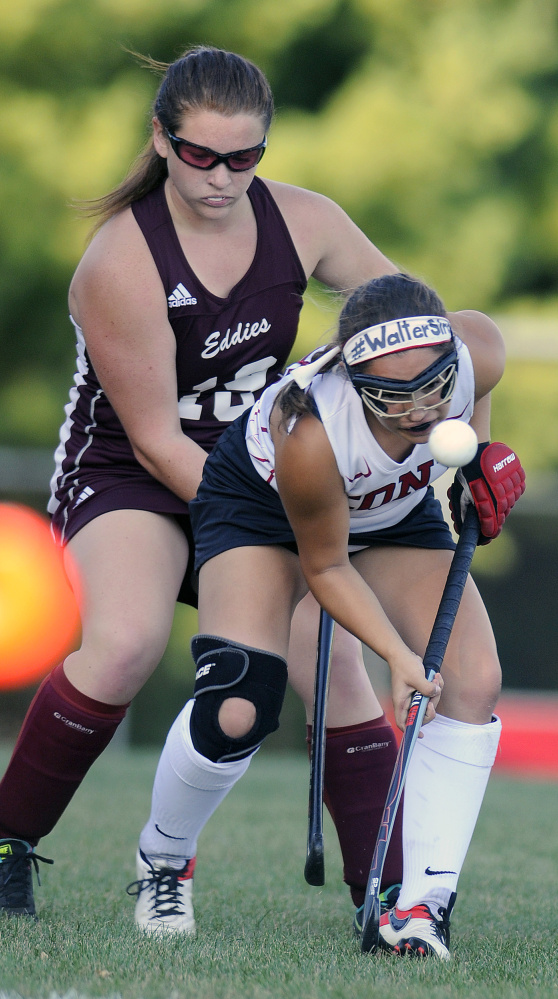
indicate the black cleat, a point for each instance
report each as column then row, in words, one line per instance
column 388, row 899
column 16, row 877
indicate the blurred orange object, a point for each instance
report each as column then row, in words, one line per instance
column 39, row 616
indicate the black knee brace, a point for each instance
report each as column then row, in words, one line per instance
column 226, row 669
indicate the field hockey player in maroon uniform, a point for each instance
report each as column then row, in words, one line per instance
column 186, row 306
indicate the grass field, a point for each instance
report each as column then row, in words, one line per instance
column 262, row 932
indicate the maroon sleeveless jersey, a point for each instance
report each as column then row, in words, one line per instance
column 227, row 351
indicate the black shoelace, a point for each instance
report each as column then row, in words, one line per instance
column 443, row 923
column 164, row 886
column 14, row 877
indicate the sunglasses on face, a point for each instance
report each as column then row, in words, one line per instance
column 203, row 158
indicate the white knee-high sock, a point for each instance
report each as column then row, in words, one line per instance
column 187, row 790
column 445, row 786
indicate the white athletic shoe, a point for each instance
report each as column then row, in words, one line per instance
column 417, row 932
column 164, row 897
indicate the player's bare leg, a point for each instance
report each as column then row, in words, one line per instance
column 409, row 583
column 131, row 565
column 351, row 697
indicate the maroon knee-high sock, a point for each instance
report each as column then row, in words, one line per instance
column 62, row 735
column 359, row 765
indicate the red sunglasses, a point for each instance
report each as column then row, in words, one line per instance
column 203, row 158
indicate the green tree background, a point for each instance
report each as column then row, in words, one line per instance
column 434, row 123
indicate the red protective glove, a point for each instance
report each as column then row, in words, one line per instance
column 493, row 481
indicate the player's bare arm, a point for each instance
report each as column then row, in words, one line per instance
column 331, row 247
column 117, row 298
column 312, row 493
column 486, row 347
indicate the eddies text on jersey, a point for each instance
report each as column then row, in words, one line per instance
column 218, row 341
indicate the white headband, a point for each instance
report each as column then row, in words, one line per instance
column 396, row 335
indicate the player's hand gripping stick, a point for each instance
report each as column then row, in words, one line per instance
column 432, row 661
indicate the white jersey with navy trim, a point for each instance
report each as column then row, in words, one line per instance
column 380, row 491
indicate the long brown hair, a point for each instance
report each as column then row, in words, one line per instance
column 202, row 79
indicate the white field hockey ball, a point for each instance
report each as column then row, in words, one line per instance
column 453, row 443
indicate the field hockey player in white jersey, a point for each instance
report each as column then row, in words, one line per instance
column 325, row 485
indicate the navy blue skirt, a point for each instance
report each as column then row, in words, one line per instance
column 236, row 508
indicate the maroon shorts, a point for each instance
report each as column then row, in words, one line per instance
column 102, row 490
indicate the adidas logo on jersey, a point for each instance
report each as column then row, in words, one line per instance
column 84, row 494
column 181, row 296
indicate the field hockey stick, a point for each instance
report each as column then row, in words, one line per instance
column 314, row 867
column 432, row 661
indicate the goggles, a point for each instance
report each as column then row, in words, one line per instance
column 203, row 158
column 432, row 388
